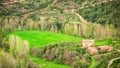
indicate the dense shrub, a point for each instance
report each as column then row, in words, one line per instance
column 109, row 41
column 7, row 61
column 86, row 30
column 103, row 13
column 29, row 6
column 116, row 64
column 19, row 50
column 64, row 54
column 74, row 56
column 103, row 60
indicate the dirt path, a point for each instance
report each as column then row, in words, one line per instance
column 37, row 11
column 81, row 18
column 111, row 61
column 95, row 4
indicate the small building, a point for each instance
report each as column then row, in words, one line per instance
column 87, row 43
column 92, row 50
column 105, row 48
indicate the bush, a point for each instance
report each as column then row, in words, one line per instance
column 116, row 64
column 7, row 61
column 62, row 53
column 19, row 49
column 109, row 41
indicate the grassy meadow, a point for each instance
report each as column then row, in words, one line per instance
column 42, row 38
column 47, row 64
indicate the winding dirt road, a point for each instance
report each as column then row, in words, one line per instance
column 111, row 61
column 81, row 18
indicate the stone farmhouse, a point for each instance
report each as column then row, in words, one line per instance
column 92, row 49
column 87, row 43
column 105, row 48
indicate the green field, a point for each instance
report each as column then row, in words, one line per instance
column 42, row 38
column 47, row 64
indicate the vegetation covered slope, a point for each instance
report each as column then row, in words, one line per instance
column 104, row 13
column 22, row 8
column 47, row 64
column 59, row 16
column 74, row 56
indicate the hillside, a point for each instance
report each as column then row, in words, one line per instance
column 93, row 10
column 48, row 43
column 59, row 34
column 103, row 13
column 59, row 16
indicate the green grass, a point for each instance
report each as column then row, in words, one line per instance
column 42, row 38
column 103, row 42
column 93, row 63
column 47, row 64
